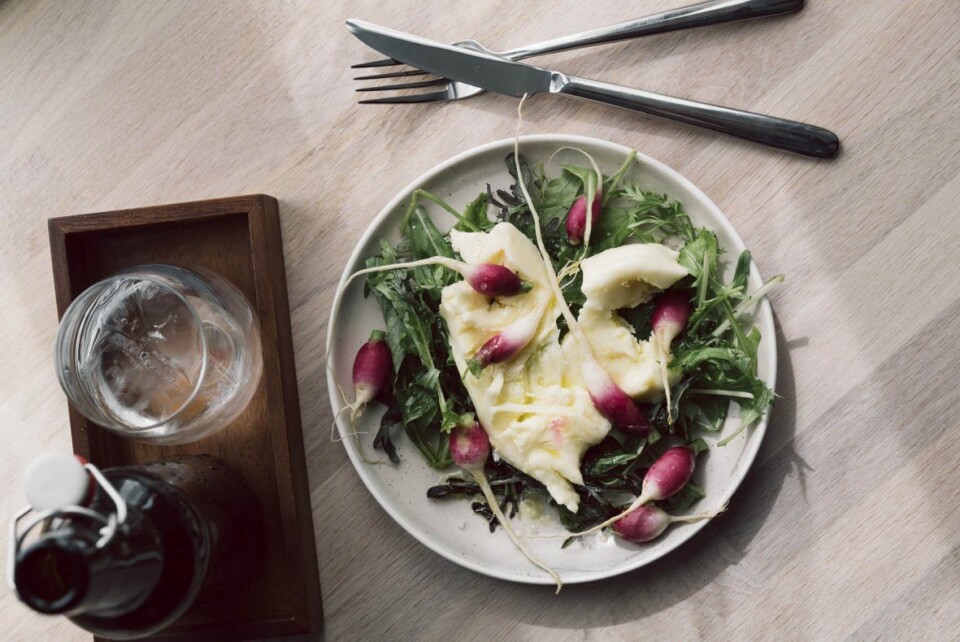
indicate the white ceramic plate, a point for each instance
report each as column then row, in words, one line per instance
column 448, row 526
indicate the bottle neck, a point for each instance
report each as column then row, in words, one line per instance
column 64, row 572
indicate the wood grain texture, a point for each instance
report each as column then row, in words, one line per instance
column 848, row 525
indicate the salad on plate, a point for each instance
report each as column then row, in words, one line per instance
column 571, row 344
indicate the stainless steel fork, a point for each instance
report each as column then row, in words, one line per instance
column 697, row 15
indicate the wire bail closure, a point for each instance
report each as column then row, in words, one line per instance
column 108, row 530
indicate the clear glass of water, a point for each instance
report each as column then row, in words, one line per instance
column 160, row 353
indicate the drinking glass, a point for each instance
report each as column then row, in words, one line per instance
column 160, row 353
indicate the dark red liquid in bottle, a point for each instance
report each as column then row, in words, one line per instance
column 192, row 535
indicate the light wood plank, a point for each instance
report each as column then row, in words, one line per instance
column 847, row 527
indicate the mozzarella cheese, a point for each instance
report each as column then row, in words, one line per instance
column 535, row 407
column 633, row 364
column 626, row 276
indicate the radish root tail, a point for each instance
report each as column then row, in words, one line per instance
column 663, row 357
column 450, row 264
column 356, row 411
column 700, row 516
column 481, row 479
column 570, row 269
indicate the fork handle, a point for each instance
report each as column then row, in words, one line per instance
column 793, row 136
column 697, row 15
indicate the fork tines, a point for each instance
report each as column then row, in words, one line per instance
column 406, row 85
column 386, row 100
column 394, row 74
column 446, row 93
column 386, row 62
column 431, row 97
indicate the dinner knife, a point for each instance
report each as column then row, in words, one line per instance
column 516, row 79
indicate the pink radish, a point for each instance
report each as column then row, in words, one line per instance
column 648, row 523
column 669, row 319
column 372, row 369
column 577, row 217
column 670, row 316
column 494, row 280
column 469, row 447
column 372, row 372
column 610, row 400
column 504, row 345
column 486, row 278
column 664, row 479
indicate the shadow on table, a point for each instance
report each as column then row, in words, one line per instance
column 687, row 570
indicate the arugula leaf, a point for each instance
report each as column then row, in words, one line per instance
column 751, row 410
column 451, row 418
column 572, row 290
column 475, row 213
column 415, row 344
column 707, row 413
column 586, row 176
column 557, row 196
column 691, row 358
column 425, row 239
column 611, row 183
column 640, row 319
column 612, row 229
column 590, row 512
column 740, row 275
column 636, row 215
column 608, row 462
column 687, row 497
column 700, row 256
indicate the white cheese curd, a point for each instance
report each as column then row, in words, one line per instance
column 626, row 276
column 633, row 364
column 534, row 407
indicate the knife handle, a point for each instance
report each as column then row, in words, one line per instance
column 698, row 15
column 790, row 135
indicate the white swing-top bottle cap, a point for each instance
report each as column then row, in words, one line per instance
column 54, row 480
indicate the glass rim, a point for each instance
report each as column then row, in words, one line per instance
column 137, row 272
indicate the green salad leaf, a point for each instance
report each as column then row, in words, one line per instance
column 475, row 215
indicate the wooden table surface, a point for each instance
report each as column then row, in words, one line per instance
column 847, row 526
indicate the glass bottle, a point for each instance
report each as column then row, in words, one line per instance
column 123, row 553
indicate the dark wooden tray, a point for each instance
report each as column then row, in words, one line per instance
column 238, row 238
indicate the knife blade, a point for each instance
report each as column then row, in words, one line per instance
column 495, row 74
column 516, row 79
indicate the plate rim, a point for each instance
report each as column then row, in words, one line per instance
column 763, row 314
